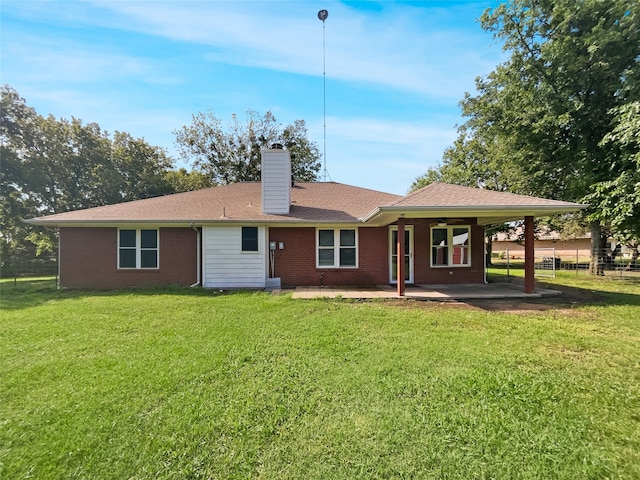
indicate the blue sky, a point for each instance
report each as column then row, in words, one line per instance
column 395, row 71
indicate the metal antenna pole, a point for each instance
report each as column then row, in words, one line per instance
column 322, row 15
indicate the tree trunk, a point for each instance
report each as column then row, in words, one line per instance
column 596, row 265
column 489, row 247
column 634, row 256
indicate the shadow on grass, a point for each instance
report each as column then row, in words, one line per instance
column 27, row 293
column 574, row 293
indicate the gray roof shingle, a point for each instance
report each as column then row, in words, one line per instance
column 313, row 202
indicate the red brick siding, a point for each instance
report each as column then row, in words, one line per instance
column 89, row 255
column 296, row 264
column 425, row 274
column 88, row 259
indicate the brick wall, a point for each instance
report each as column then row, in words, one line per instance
column 425, row 274
column 296, row 263
column 88, row 259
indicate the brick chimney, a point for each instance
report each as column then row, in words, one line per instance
column 276, row 180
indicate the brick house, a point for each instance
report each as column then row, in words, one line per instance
column 279, row 233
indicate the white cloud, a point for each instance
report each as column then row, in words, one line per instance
column 386, row 70
column 402, row 48
column 383, row 155
column 60, row 60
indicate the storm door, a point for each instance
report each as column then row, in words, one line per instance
column 408, row 254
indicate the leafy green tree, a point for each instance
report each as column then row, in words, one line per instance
column 183, row 181
column 539, row 121
column 231, row 153
column 140, row 169
column 14, row 206
column 54, row 165
column 616, row 202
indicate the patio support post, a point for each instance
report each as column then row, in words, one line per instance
column 529, row 261
column 400, row 252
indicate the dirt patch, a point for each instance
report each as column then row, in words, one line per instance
column 567, row 301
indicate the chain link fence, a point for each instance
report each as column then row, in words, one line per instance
column 15, row 268
column 620, row 264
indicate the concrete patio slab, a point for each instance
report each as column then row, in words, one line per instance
column 425, row 292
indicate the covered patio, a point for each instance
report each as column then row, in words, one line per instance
column 448, row 204
column 461, row 291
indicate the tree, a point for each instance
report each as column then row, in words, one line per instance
column 54, row 165
column 229, row 154
column 183, row 181
column 617, row 202
column 140, row 169
column 15, row 117
column 539, row 120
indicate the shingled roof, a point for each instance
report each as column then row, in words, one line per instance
column 313, row 203
column 446, row 195
column 446, row 200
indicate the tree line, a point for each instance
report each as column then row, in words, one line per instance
column 51, row 165
column 560, row 118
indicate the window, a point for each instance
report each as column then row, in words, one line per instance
column 450, row 246
column 249, row 239
column 138, row 248
column 337, row 248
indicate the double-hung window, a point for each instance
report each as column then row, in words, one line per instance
column 137, row 248
column 337, row 248
column 250, row 239
column 450, row 246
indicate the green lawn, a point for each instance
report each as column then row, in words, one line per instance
column 179, row 383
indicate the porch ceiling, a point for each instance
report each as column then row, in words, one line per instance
column 485, row 214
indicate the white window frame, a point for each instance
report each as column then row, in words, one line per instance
column 336, row 247
column 449, row 245
column 139, row 249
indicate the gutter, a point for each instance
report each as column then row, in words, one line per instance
column 474, row 210
column 198, row 259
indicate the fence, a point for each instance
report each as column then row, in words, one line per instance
column 29, row 267
column 549, row 260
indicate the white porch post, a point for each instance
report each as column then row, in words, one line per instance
column 400, row 262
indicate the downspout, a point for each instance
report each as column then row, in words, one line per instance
column 58, row 255
column 197, row 256
column 484, row 257
column 59, row 279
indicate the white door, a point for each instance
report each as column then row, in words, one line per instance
column 408, row 254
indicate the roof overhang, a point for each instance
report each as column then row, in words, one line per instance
column 380, row 216
column 184, row 223
column 485, row 214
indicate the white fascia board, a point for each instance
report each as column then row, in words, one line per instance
column 112, row 223
column 506, row 211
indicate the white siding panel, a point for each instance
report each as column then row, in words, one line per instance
column 224, row 263
column 276, row 181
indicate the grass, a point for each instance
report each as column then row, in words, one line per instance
column 178, row 383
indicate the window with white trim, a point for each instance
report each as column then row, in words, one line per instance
column 337, row 247
column 137, row 248
column 451, row 246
